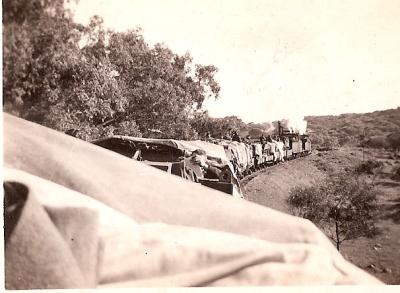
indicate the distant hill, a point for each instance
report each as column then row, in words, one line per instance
column 371, row 129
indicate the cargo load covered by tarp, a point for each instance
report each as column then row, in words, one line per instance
column 214, row 152
column 270, row 147
column 231, row 153
column 258, row 153
column 241, row 152
column 257, row 149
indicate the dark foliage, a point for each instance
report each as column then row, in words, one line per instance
column 368, row 167
column 396, row 173
column 92, row 82
column 342, row 206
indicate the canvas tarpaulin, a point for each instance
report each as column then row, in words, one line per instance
column 165, row 231
column 258, row 151
column 214, row 152
column 237, row 152
column 243, row 154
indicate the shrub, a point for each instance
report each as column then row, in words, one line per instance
column 393, row 140
column 377, row 142
column 343, row 206
column 396, row 172
column 368, row 167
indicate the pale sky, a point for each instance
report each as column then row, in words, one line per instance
column 276, row 59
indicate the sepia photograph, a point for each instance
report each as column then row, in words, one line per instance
column 215, row 143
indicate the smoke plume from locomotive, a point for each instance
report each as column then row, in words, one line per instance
column 296, row 125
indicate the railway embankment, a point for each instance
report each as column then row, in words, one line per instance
column 270, row 187
column 378, row 255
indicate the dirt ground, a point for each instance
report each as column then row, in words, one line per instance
column 379, row 255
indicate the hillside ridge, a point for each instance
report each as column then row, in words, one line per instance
column 353, row 129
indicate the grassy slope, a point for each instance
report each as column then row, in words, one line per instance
column 347, row 128
column 380, row 255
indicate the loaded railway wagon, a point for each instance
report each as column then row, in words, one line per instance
column 248, row 157
column 241, row 156
column 173, row 157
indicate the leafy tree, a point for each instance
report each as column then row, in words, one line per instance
column 321, row 140
column 377, row 141
column 223, row 126
column 396, row 172
column 393, row 141
column 91, row 82
column 255, row 132
column 201, row 123
column 369, row 167
column 163, row 88
column 48, row 79
column 343, row 206
column 217, row 127
column 26, row 48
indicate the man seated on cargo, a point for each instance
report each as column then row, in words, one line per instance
column 236, row 137
column 212, row 170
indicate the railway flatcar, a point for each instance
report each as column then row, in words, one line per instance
column 177, row 157
column 240, row 154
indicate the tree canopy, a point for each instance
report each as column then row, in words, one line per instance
column 217, row 127
column 93, row 82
